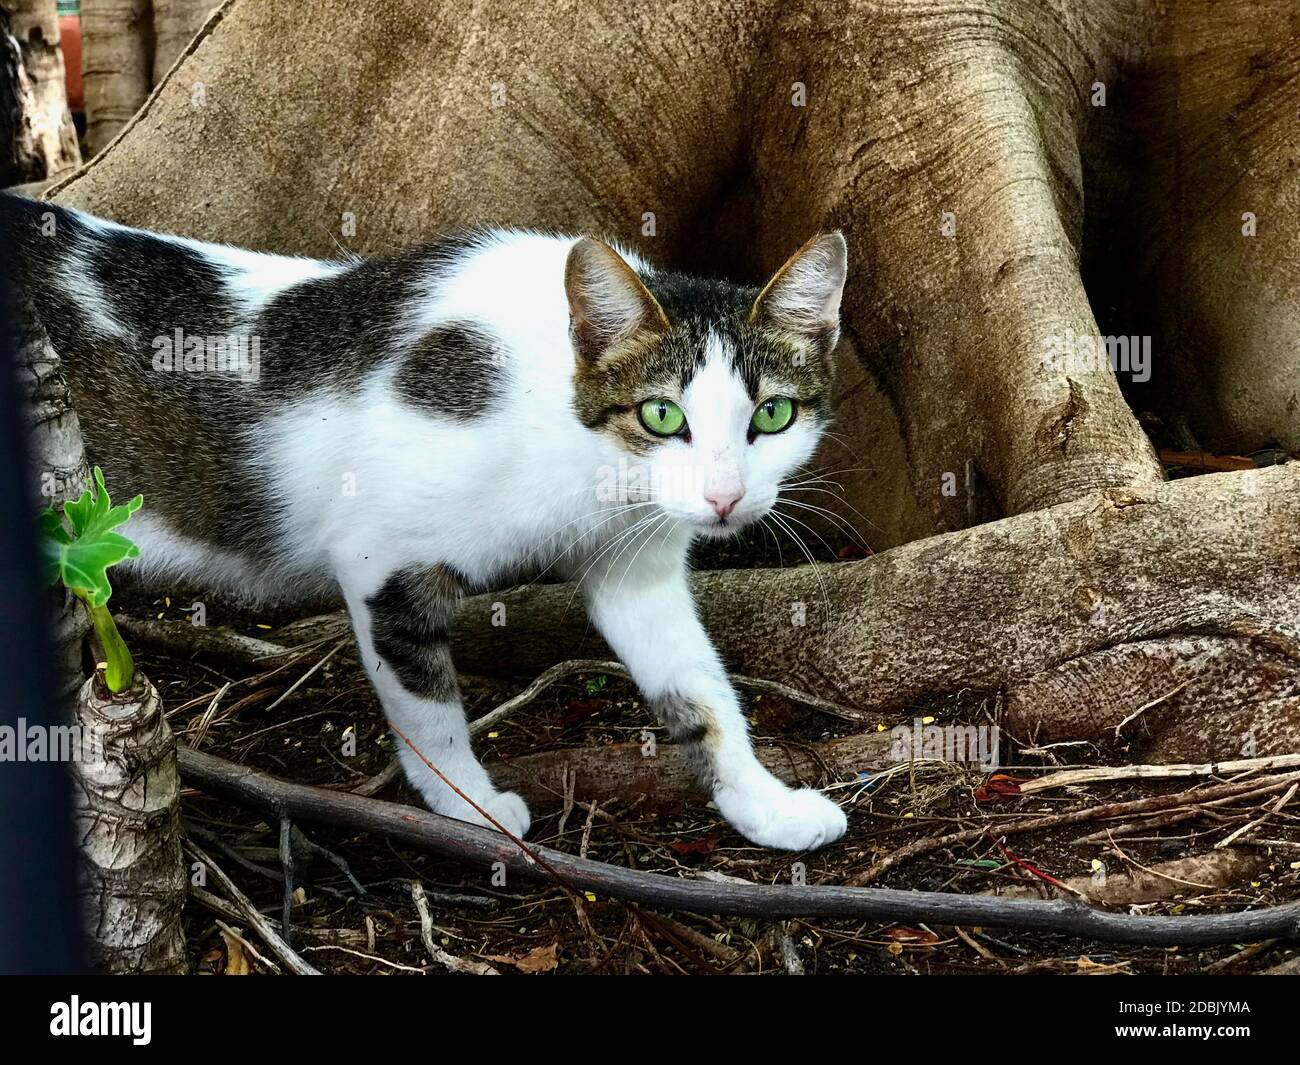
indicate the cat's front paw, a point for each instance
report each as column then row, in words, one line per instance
column 510, row 811
column 784, row 819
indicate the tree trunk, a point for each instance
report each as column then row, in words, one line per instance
column 127, row 796
column 1198, row 180
column 782, row 129
column 175, row 22
column 116, row 63
column 127, row 804
column 62, row 474
column 39, row 139
column 971, row 227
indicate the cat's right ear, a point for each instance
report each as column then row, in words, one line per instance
column 607, row 301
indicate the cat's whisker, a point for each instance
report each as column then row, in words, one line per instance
column 565, row 551
column 840, row 498
column 623, row 538
column 826, row 599
column 780, row 555
column 837, row 472
column 612, row 512
column 654, row 530
column 804, row 525
column 840, row 440
column 841, row 523
column 611, row 544
column 596, row 533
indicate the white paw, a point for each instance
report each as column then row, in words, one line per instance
column 784, row 819
column 509, row 810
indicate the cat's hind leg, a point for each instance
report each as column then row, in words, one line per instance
column 402, row 621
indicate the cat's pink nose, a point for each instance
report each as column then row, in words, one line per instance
column 723, row 503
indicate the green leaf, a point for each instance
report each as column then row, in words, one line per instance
column 81, row 558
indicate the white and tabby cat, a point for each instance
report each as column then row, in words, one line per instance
column 458, row 417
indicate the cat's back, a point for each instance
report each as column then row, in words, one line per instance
column 246, row 393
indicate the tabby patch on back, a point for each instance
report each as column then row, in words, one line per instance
column 404, row 429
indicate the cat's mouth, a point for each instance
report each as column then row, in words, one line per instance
column 723, row 528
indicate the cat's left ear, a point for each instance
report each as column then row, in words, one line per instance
column 804, row 297
column 607, row 301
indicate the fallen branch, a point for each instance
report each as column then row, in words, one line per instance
column 1137, row 603
column 235, row 934
column 181, row 637
column 480, row 846
column 1136, row 885
column 1172, row 817
column 1281, row 802
column 442, row 957
column 1071, row 777
column 250, row 913
column 617, row 669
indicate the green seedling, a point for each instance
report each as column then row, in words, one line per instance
column 79, row 557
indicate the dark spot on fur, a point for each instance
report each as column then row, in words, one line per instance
column 409, row 621
column 333, row 331
column 454, row 369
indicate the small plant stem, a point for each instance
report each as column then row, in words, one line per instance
column 119, row 671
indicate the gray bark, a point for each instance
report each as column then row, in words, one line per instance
column 116, row 65
column 127, row 804
column 40, row 139
column 175, row 22
column 630, row 773
column 62, row 473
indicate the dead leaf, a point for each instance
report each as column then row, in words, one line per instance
column 236, row 959
column 704, row 845
column 998, row 787
column 576, row 710
column 538, row 960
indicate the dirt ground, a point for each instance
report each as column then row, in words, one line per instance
column 364, row 920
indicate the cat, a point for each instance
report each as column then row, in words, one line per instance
column 406, row 429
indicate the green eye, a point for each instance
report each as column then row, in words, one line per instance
column 662, row 417
column 773, row 415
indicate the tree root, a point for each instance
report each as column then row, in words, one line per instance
column 629, row 772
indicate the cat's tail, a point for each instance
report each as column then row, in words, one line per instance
column 106, row 293
column 33, row 236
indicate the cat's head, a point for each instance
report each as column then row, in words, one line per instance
column 717, row 393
